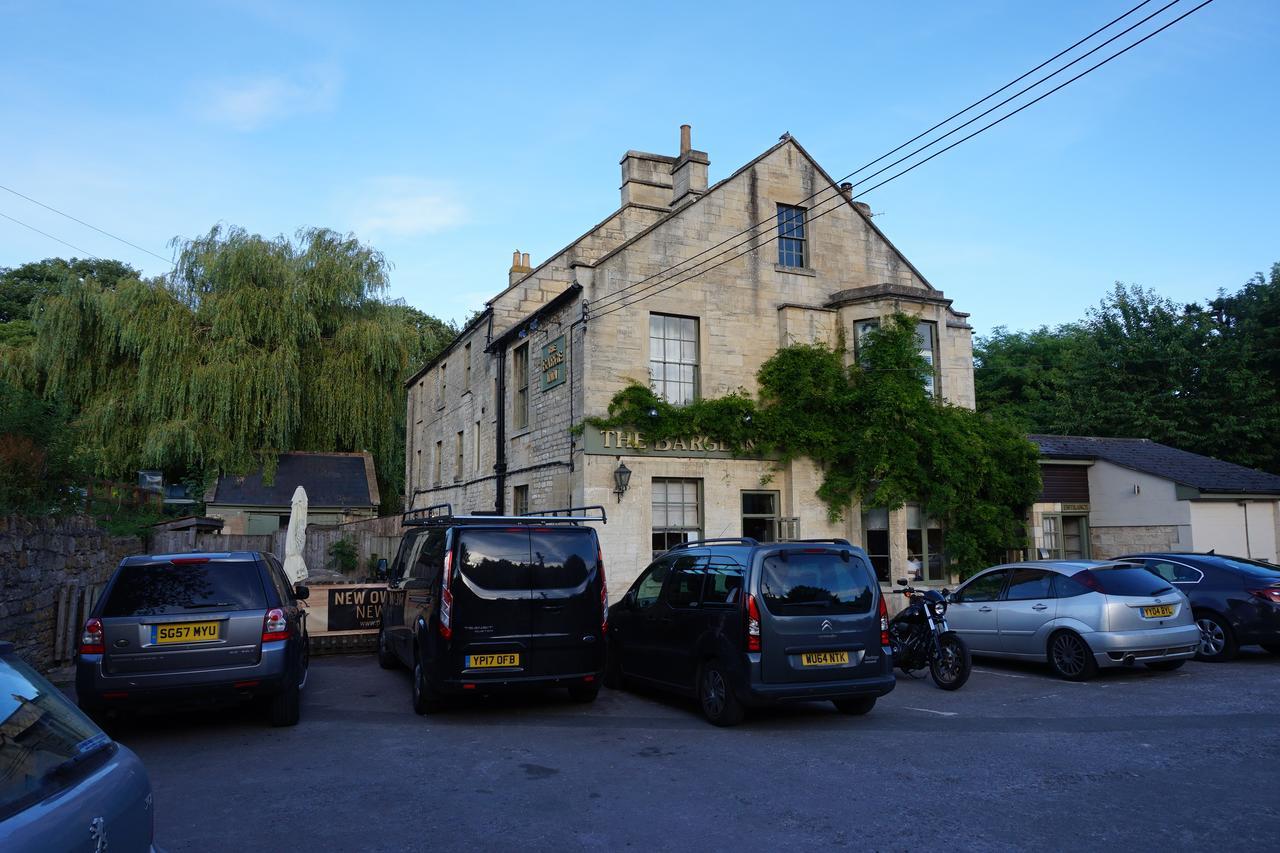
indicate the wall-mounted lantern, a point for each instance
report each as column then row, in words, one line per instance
column 621, row 480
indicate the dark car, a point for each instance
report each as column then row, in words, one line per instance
column 198, row 628
column 485, row 603
column 65, row 785
column 738, row 623
column 1235, row 600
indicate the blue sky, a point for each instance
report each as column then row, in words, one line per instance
column 449, row 135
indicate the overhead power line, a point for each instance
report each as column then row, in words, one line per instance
column 50, row 236
column 664, row 286
column 168, row 261
column 610, row 298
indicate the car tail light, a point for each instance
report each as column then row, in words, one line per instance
column 275, row 626
column 753, row 624
column 884, row 622
column 446, row 598
column 604, row 592
column 1271, row 594
column 91, row 642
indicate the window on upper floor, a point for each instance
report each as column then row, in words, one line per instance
column 441, row 386
column 673, row 357
column 791, row 236
column 520, row 386
column 438, row 463
column 927, row 338
column 457, row 457
column 466, row 367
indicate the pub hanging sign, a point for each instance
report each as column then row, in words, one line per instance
column 553, row 363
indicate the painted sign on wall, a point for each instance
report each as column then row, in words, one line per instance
column 553, row 363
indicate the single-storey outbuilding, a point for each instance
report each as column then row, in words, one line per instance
column 1103, row 497
column 340, row 487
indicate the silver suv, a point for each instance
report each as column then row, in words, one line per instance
column 198, row 628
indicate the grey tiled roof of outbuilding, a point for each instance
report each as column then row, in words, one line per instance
column 1161, row 460
column 331, row 479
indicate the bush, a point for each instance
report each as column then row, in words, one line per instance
column 343, row 556
column 37, row 458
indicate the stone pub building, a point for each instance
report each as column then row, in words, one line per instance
column 490, row 419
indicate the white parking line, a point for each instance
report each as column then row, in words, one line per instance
column 930, row 711
column 1001, row 674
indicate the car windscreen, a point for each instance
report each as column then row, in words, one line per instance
column 156, row 589
column 815, row 582
column 527, row 558
column 45, row 738
column 1123, row 580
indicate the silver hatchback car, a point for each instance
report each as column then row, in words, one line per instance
column 1077, row 615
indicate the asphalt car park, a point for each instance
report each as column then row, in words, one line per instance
column 1018, row 759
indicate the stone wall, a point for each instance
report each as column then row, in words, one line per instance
column 1108, row 542
column 39, row 559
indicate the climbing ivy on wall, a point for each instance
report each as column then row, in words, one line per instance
column 878, row 437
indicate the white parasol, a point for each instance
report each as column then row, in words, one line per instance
column 296, row 538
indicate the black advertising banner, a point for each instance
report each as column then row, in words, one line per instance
column 356, row 608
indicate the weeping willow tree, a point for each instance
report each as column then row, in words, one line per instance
column 249, row 348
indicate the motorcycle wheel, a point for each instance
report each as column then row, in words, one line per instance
column 951, row 668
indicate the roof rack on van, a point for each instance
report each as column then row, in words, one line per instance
column 695, row 543
column 442, row 515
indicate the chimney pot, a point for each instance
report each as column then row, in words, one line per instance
column 515, row 259
column 524, row 261
column 686, row 142
column 864, row 207
column 846, row 190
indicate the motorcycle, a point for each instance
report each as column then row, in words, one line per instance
column 919, row 637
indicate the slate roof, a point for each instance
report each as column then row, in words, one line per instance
column 1140, row 454
column 331, row 480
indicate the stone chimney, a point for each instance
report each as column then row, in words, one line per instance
column 646, row 179
column 519, row 267
column 689, row 172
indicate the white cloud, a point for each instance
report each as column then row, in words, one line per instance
column 405, row 207
column 248, row 103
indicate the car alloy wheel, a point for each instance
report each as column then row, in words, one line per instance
column 1070, row 657
column 714, row 692
column 1213, row 640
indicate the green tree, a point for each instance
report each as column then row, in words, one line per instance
column 24, row 285
column 1204, row 379
column 251, row 347
column 37, row 453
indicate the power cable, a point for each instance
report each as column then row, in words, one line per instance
column 50, row 236
column 612, row 297
column 665, row 286
column 85, row 224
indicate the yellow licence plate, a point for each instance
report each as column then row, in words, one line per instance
column 824, row 658
column 1158, row 611
column 490, row 661
column 187, row 632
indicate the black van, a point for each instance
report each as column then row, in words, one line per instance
column 736, row 622
column 484, row 603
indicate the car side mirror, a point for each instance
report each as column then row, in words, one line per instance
column 629, row 600
column 300, row 591
column 946, row 593
column 381, row 570
column 901, row 581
